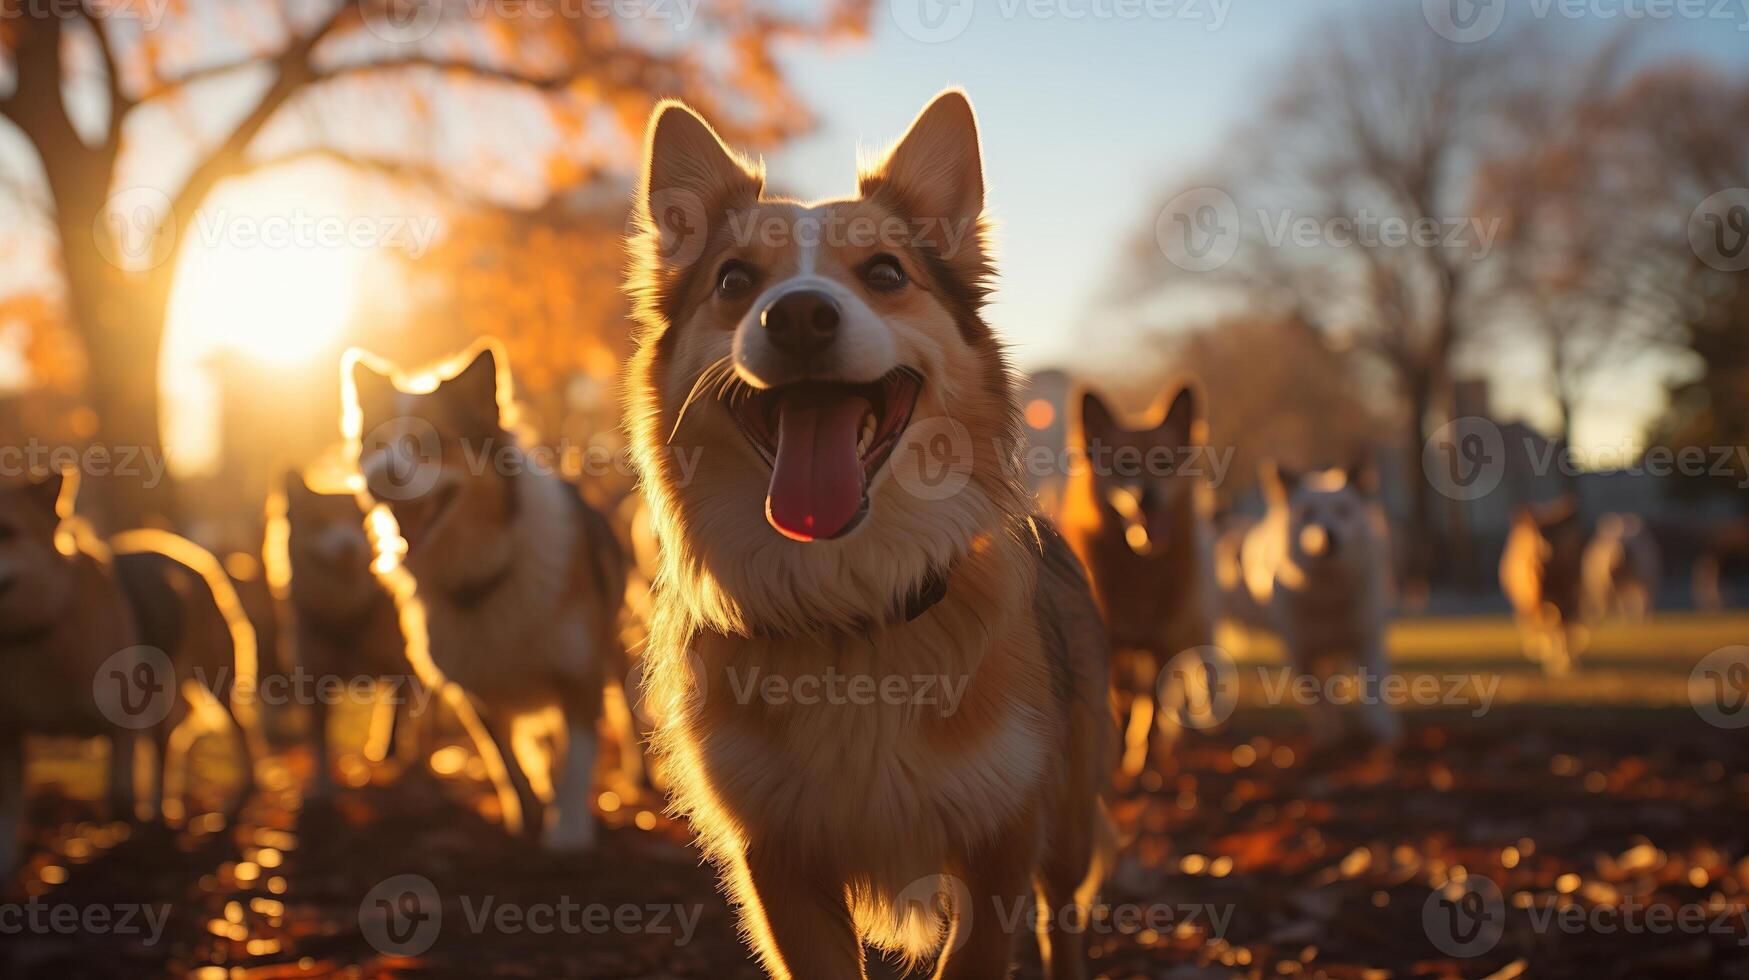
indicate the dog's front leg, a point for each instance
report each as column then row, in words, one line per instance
column 798, row 917
column 998, row 876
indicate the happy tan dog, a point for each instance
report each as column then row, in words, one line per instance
column 881, row 678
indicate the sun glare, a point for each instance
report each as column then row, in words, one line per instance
column 270, row 271
column 277, row 305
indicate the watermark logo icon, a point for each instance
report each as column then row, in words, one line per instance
column 1198, row 689
column 401, row 916
column 1465, row 918
column 134, row 229
column 1718, row 687
column 403, row 21
column 1466, row 458
column 1718, row 230
column 934, row 461
column 932, row 21
column 1464, row 21
column 135, row 688
column 405, row 458
column 681, row 225
column 941, row 899
column 1198, row 230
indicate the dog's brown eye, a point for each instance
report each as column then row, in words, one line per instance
column 884, row 273
column 733, row 280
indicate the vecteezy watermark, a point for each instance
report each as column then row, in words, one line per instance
column 401, row 916
column 682, row 227
column 143, row 463
column 1469, row 21
column 945, row 898
column 1467, row 918
column 935, row 459
column 1198, row 230
column 411, row 21
column 137, row 230
column 300, row 228
column 37, row 917
column 1718, row 687
column 1718, row 230
column 404, row 916
column 1467, row 459
column 135, row 687
column 403, row 459
column 1366, row 687
column 1199, row 688
column 1201, row 229
column 1119, row 918
column 848, row 689
column 936, row 21
column 149, row 14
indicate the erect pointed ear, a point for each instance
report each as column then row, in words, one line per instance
column 1277, row 480
column 475, row 387
column 1183, row 424
column 1098, row 424
column 54, row 492
column 372, row 392
column 689, row 179
column 936, row 171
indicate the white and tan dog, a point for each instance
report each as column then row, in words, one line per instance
column 517, row 580
column 1319, row 561
column 880, row 678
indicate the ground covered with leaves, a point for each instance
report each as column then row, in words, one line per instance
column 1243, row 855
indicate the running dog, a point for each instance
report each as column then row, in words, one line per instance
column 519, row 582
column 1541, row 573
column 881, row 680
column 1139, row 518
column 1319, row 561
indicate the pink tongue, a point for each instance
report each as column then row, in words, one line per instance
column 816, row 483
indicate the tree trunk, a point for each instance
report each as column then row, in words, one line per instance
column 121, row 318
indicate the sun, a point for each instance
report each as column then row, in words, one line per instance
column 281, row 304
column 271, row 271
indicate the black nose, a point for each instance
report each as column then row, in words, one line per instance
column 801, row 323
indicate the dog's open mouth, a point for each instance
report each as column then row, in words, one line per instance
column 825, row 441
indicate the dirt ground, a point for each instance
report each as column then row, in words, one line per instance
column 1242, row 856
